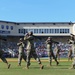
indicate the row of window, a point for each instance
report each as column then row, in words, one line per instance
column 7, row 27
column 36, row 31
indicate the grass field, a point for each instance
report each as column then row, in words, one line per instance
column 61, row 69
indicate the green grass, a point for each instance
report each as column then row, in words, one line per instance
column 62, row 69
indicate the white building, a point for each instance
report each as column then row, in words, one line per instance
column 55, row 29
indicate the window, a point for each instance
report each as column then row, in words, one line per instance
column 39, row 30
column 7, row 27
column 42, row 30
column 66, row 30
column 19, row 30
column 11, row 27
column 46, row 30
column 22, row 31
column 61, row 30
column 2, row 26
column 56, row 30
column 35, row 30
column 49, row 30
column 52, row 30
column 26, row 30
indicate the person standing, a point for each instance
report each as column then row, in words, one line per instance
column 21, row 52
column 71, row 41
column 49, row 43
column 31, row 50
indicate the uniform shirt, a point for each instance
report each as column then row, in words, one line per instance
column 21, row 47
column 58, row 49
column 49, row 44
column 1, row 52
column 70, row 52
column 30, row 42
column 71, row 41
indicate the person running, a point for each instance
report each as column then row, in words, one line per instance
column 2, row 55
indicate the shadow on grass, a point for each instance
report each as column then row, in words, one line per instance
column 51, row 67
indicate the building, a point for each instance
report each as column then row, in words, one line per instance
column 58, row 30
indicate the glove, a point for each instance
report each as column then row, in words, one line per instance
column 26, row 34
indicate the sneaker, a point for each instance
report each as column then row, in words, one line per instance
column 49, row 65
column 73, row 66
column 19, row 65
column 41, row 67
column 57, row 63
column 9, row 66
column 29, row 64
column 26, row 68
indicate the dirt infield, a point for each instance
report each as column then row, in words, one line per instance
column 32, row 60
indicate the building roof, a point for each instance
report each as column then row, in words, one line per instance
column 70, row 23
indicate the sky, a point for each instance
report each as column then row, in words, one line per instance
column 37, row 10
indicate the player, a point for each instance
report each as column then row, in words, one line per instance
column 49, row 43
column 31, row 50
column 2, row 56
column 57, row 52
column 21, row 52
column 71, row 41
column 70, row 54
